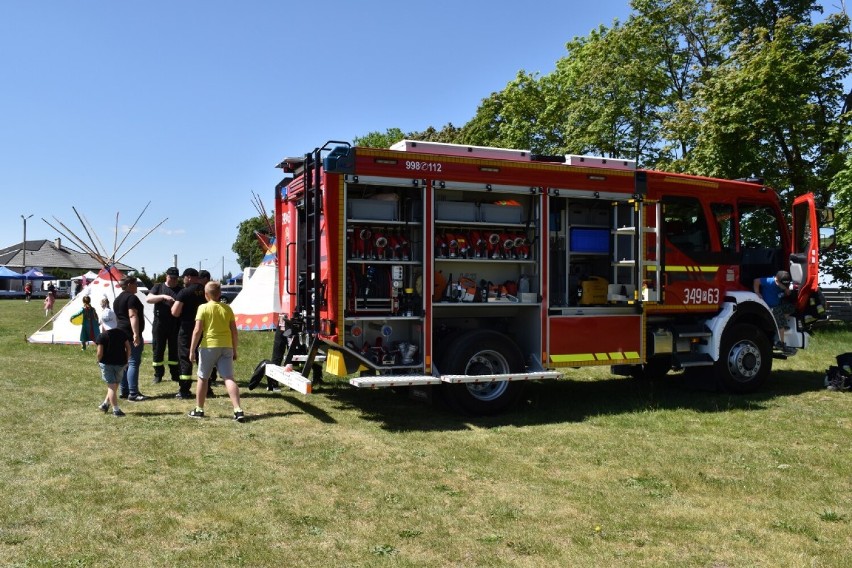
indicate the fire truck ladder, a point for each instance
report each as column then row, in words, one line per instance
column 310, row 296
column 633, row 222
column 650, row 273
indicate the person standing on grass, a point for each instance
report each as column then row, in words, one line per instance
column 215, row 339
column 185, row 306
column 131, row 320
column 28, row 290
column 48, row 303
column 203, row 279
column 113, row 355
column 164, row 330
column 108, row 319
column 89, row 322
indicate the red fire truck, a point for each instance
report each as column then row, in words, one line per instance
column 473, row 270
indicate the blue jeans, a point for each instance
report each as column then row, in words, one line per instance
column 130, row 380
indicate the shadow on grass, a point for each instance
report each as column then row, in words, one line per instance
column 567, row 400
column 265, row 416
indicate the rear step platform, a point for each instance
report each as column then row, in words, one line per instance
column 394, row 381
column 289, row 378
column 418, row 380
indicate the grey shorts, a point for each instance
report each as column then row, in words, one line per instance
column 111, row 374
column 222, row 358
column 781, row 311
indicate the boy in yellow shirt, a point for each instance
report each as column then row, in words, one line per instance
column 214, row 345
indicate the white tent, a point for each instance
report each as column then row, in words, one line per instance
column 104, row 284
column 89, row 276
column 257, row 305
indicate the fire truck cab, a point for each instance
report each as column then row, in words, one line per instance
column 474, row 270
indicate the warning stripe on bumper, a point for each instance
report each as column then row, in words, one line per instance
column 592, row 358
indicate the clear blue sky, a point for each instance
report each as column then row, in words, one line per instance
column 189, row 104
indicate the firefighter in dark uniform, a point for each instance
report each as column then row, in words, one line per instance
column 185, row 305
column 165, row 327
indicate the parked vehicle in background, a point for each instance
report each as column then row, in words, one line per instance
column 62, row 288
column 229, row 293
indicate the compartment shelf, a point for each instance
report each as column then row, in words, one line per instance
column 382, row 318
column 385, row 222
column 444, row 223
column 375, row 261
column 483, row 260
column 480, row 305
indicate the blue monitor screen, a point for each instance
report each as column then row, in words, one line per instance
column 589, row 240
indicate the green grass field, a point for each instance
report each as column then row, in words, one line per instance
column 589, row 471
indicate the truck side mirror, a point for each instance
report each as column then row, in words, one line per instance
column 827, row 238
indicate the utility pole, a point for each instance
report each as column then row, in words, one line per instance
column 24, row 245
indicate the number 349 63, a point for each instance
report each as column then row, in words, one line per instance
column 701, row 296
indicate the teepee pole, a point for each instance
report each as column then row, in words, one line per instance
column 76, row 240
column 92, row 229
column 131, row 230
column 115, row 237
column 143, row 238
column 261, row 210
column 85, row 228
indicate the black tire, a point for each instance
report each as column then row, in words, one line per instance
column 745, row 359
column 482, row 352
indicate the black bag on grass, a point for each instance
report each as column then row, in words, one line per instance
column 839, row 378
column 258, row 374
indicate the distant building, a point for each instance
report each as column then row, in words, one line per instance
column 49, row 256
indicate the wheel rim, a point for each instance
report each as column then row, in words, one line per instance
column 744, row 361
column 487, row 363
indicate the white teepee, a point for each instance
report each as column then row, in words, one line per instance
column 105, row 284
column 257, row 305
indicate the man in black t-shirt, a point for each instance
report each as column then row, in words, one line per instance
column 185, row 305
column 164, row 330
column 130, row 314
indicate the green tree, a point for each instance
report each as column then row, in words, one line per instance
column 247, row 247
column 449, row 134
column 512, row 118
column 727, row 88
column 378, row 139
column 775, row 107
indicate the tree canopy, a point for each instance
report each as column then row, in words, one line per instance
column 247, row 246
column 724, row 88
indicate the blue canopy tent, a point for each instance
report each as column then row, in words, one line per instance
column 6, row 273
column 33, row 274
column 238, row 279
column 9, row 275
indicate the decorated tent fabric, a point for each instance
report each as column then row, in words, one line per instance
column 256, row 307
column 105, row 284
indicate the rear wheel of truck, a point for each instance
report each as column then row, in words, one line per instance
column 745, row 359
column 482, row 352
